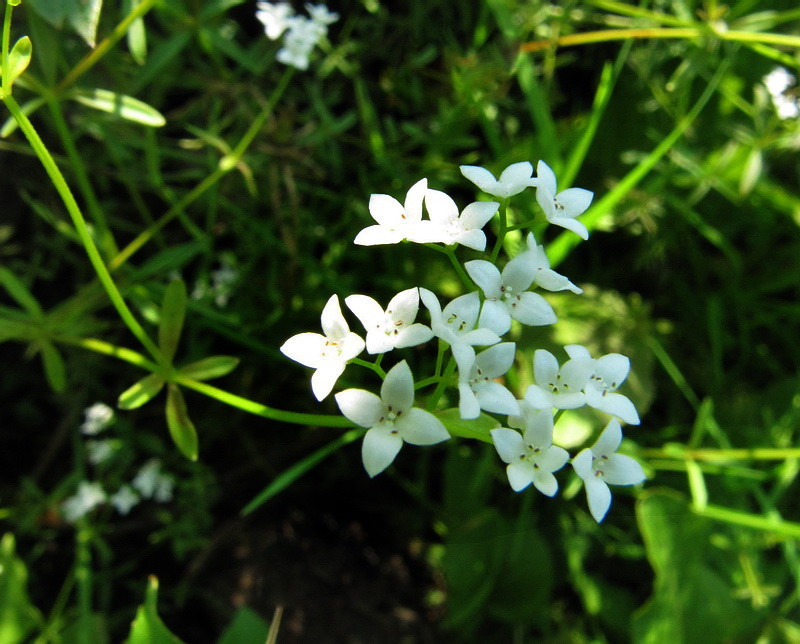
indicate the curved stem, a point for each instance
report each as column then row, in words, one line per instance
column 462, row 274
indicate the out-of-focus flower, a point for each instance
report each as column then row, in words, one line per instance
column 328, row 353
column 97, row 418
column 100, row 451
column 391, row 418
column 86, row 499
column 152, row 483
column 276, row 17
column 300, row 33
column 561, row 208
column 124, row 499
column 452, row 228
column 393, row 328
column 513, row 180
column 777, row 82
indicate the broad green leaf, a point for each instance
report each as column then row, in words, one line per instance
column 246, row 627
column 19, row 58
column 126, row 107
column 54, row 368
column 180, row 425
column 81, row 15
column 477, row 428
column 18, row 617
column 19, row 292
column 173, row 312
column 141, row 392
column 148, row 628
column 209, row 368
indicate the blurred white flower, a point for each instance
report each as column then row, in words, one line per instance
column 391, row 418
column 100, row 451
column 477, row 387
column 513, row 180
column 561, row 208
column 329, row 353
column 393, row 328
column 300, row 33
column 600, row 466
column 152, row 483
column 777, row 82
column 97, row 418
column 453, row 228
column 124, row 499
column 275, row 17
column 86, row 499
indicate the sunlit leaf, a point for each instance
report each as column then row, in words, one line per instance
column 125, row 107
column 18, row 617
column 180, row 425
column 81, row 15
column 54, row 369
column 141, row 392
column 19, row 58
column 173, row 312
column 147, row 627
column 477, row 428
column 136, row 36
column 209, row 368
column 19, row 292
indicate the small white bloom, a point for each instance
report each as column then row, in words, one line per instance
column 464, row 229
column 562, row 387
column 477, row 387
column 391, row 418
column 152, row 483
column 328, row 353
column 507, row 295
column 97, row 418
column 777, row 82
column 513, row 180
column 124, row 499
column 561, row 208
column 600, row 466
column 608, row 374
column 320, row 15
column 456, row 325
column 86, row 499
column 100, row 451
column 393, row 328
column 299, row 42
column 396, row 221
column 544, row 276
column 275, row 17
column 531, row 456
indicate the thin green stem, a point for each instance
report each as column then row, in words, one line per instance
column 6, row 45
column 451, row 254
column 84, row 581
column 717, row 455
column 80, row 226
column 502, row 231
column 433, row 400
column 108, row 349
column 372, row 366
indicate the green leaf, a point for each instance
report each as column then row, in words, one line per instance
column 81, row 15
column 54, row 369
column 121, row 105
column 141, row 392
column 18, row 617
column 20, row 293
column 136, row 36
column 246, row 627
column 19, row 58
column 180, row 425
column 209, row 368
column 170, row 259
column 147, row 627
column 173, row 312
column 477, row 428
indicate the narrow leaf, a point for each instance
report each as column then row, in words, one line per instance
column 20, row 293
column 209, row 368
column 148, row 628
column 141, row 392
column 180, row 425
column 126, row 107
column 19, row 58
column 173, row 312
column 136, row 36
column 18, row 616
column 54, row 369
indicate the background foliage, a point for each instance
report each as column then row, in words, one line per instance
column 692, row 270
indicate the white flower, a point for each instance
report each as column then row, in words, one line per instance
column 97, row 418
column 299, row 42
column 600, row 466
column 777, row 82
column 152, row 483
column 561, row 208
column 544, row 276
column 531, row 456
column 507, row 295
column 513, row 180
column 328, row 353
column 561, row 388
column 86, row 499
column 392, row 419
column 609, row 373
column 321, row 16
column 124, row 499
column 477, row 387
column 100, row 451
column 393, row 328
column 456, row 325
column 464, row 229
column 396, row 221
column 275, row 17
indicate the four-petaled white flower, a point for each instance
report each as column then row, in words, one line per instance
column 275, row 17
column 393, row 328
column 124, row 499
column 452, row 228
column 329, row 353
column 507, row 295
column 456, row 325
column 391, row 418
column 86, row 499
column 562, row 387
column 561, row 208
column 96, row 418
column 477, row 387
column 513, row 180
column 396, row 221
column 531, row 456
column 609, row 373
column 545, row 276
column 600, row 466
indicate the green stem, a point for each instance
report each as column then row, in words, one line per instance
column 6, row 45
column 451, row 254
column 83, row 579
column 372, row 366
column 437, row 393
column 501, row 233
column 225, row 165
column 716, row 455
column 80, row 226
column 108, row 349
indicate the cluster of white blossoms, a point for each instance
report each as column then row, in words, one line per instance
column 472, row 327
column 778, row 83
column 300, row 33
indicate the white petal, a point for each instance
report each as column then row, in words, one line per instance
column 480, row 337
column 519, row 273
column 613, row 368
column 351, row 346
column 397, row 390
column 553, row 459
column 414, row 197
column 414, row 335
column 468, row 405
column 539, row 427
column 622, row 470
column 404, row 306
column 547, row 178
column 509, row 444
column 386, row 210
column 325, row 377
column 420, row 427
column 379, row 449
column 578, row 351
column 431, row 302
column 568, row 401
column 546, row 200
column 571, row 224
column 552, row 281
column 495, row 317
column 466, row 307
column 495, row 398
column 520, row 475
column 545, row 482
column 477, row 214
column 481, row 177
column 334, row 325
column 545, row 366
column 305, row 348
column 532, row 309
column 539, row 398
column 614, row 404
column 497, row 360
column 359, row 406
column 441, row 207
column 464, row 355
column 486, row 276
column 515, row 178
column 366, row 309
column 379, row 342
column 474, row 239
column 377, row 235
column 609, row 440
column 599, row 497
column 582, row 464
column 574, row 200
column 575, row 373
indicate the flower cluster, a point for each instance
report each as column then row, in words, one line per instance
column 779, row 82
column 470, row 329
column 300, row 33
